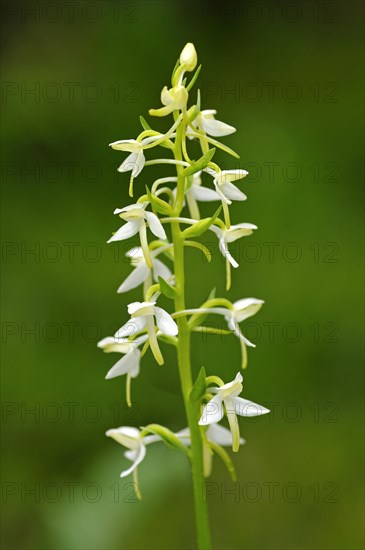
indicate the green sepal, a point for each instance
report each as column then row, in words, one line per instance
column 144, row 123
column 166, row 289
column 200, row 227
column 199, row 388
column 167, row 437
column 200, row 164
column 158, row 204
column 193, row 80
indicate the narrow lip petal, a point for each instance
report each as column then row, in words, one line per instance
column 165, row 322
column 213, row 411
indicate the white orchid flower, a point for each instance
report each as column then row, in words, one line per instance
column 129, row 364
column 230, row 235
column 131, row 438
column 143, row 316
column 223, row 183
column 136, row 217
column 241, row 310
column 227, row 401
column 206, row 122
column 141, row 272
column 173, row 99
column 135, row 162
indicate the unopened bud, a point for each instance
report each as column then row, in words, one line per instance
column 188, row 57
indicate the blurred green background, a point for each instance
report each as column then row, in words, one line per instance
column 76, row 76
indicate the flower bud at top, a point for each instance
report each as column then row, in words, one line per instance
column 188, row 57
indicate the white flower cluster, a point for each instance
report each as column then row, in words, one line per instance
column 161, row 208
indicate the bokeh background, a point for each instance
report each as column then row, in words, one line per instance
column 76, row 76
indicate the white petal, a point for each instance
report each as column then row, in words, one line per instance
column 139, row 456
column 231, row 175
column 204, row 194
column 134, row 279
column 166, row 96
column 155, row 225
column 232, row 192
column 223, row 247
column 184, row 436
column 129, row 163
column 212, row 412
column 165, row 322
column 239, row 334
column 240, row 230
column 127, row 230
column 160, row 270
column 137, row 306
column 221, row 435
column 128, row 363
column 246, row 308
column 130, row 145
column 139, row 164
column 112, row 344
column 125, row 435
column 208, row 112
column 248, row 408
column 133, row 326
column 216, row 127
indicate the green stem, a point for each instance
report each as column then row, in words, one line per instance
column 183, row 353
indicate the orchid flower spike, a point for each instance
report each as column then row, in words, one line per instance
column 141, row 272
column 143, row 316
column 131, row 438
column 136, row 217
column 223, row 183
column 129, row 364
column 230, row 235
column 227, row 401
